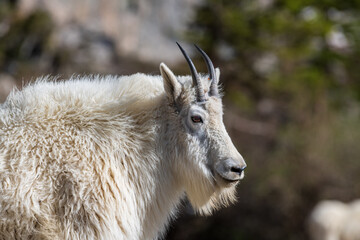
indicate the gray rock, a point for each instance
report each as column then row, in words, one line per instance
column 139, row 28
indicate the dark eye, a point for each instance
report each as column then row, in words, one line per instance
column 196, row 119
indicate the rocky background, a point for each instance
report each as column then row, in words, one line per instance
column 136, row 28
column 289, row 71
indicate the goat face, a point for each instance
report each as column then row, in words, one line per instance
column 210, row 166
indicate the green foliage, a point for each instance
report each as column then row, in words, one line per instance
column 297, row 34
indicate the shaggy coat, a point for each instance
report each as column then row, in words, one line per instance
column 106, row 157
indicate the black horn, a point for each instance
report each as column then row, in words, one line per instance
column 212, row 75
column 195, row 77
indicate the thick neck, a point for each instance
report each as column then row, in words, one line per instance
column 165, row 191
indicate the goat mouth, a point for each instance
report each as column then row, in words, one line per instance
column 229, row 180
column 229, row 170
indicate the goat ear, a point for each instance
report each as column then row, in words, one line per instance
column 171, row 84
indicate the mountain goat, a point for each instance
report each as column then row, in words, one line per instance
column 335, row 220
column 111, row 157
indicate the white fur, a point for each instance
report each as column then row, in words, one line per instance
column 98, row 158
column 334, row 220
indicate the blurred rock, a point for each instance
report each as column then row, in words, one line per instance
column 337, row 40
column 7, row 83
column 140, row 28
column 87, row 48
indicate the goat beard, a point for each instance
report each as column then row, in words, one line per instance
column 214, row 200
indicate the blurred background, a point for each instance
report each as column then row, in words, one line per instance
column 290, row 72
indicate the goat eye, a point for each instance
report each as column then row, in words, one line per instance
column 196, row 119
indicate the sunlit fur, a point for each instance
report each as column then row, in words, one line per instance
column 104, row 158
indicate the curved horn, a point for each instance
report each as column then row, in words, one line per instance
column 212, row 75
column 195, row 77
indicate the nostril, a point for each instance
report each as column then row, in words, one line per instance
column 237, row 169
